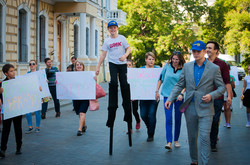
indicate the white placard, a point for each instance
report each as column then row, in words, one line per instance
column 42, row 78
column 234, row 72
column 76, row 85
column 143, row 82
column 21, row 96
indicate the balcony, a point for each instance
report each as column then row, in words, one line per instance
column 117, row 15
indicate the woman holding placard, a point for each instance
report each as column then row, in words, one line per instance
column 169, row 77
column 81, row 106
column 33, row 66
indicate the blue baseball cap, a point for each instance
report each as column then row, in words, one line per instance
column 112, row 23
column 198, row 45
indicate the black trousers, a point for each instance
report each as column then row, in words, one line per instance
column 135, row 111
column 218, row 103
column 121, row 72
column 6, row 131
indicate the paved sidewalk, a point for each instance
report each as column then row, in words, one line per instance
column 57, row 142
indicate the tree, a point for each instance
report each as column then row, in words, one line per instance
column 154, row 25
column 237, row 38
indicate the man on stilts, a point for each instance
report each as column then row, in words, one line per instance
column 118, row 49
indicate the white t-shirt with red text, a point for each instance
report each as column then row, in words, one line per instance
column 116, row 47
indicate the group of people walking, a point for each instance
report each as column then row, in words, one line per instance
column 195, row 88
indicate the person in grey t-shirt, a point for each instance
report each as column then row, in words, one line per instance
column 118, row 49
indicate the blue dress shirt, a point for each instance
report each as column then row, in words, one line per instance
column 198, row 71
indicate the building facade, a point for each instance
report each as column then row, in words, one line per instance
column 59, row 29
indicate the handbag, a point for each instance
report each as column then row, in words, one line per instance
column 46, row 99
column 93, row 105
column 99, row 91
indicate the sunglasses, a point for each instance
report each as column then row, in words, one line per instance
column 30, row 64
column 177, row 52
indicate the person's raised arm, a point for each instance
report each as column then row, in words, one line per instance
column 102, row 57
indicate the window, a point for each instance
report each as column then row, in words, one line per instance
column 76, row 40
column 96, row 43
column 43, row 50
column 23, row 47
column 87, row 41
column 2, row 30
column 108, row 4
column 23, row 33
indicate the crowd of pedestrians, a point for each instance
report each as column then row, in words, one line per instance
column 196, row 89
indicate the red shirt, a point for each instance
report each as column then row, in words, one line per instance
column 224, row 72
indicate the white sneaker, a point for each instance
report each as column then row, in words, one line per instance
column 228, row 125
column 248, row 125
column 225, row 125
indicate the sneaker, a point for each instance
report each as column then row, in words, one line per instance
column 248, row 125
column 84, row 128
column 213, row 149
column 18, row 152
column 168, row 146
column 228, row 125
column 37, row 130
column 138, row 125
column 225, row 125
column 150, row 138
column 58, row 114
column 177, row 144
column 79, row 133
column 2, row 154
column 29, row 131
column 43, row 116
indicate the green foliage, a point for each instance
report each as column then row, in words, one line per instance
column 246, row 62
column 154, row 25
column 228, row 23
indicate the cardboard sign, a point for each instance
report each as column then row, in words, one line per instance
column 143, row 82
column 76, row 85
column 42, row 78
column 21, row 96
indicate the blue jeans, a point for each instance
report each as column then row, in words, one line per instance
column 38, row 118
column 169, row 120
column 148, row 110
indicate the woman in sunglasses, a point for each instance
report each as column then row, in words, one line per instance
column 33, row 66
column 168, row 78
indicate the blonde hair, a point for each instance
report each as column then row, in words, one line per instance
column 34, row 61
column 81, row 63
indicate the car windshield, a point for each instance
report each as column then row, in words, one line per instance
column 233, row 63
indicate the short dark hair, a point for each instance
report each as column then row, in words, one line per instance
column 46, row 59
column 73, row 58
column 216, row 45
column 7, row 67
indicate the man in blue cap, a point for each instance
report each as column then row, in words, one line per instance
column 199, row 78
column 118, row 49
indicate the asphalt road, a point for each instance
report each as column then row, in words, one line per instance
column 57, row 142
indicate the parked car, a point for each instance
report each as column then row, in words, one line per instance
column 230, row 60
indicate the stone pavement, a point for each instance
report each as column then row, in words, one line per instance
column 57, row 142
